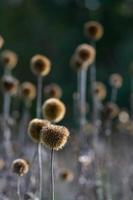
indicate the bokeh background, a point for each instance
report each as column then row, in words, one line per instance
column 55, row 28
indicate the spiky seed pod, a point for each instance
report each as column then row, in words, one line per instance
column 116, row 80
column 1, row 41
column 28, row 91
column 93, row 30
column 100, row 91
column 8, row 59
column 35, row 127
column 40, row 65
column 124, row 117
column 66, row 175
column 111, row 110
column 54, row 136
column 20, row 167
column 9, row 84
column 53, row 110
column 85, row 54
column 53, row 91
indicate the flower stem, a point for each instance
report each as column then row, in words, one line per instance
column 18, row 189
column 52, row 175
column 40, row 170
column 39, row 97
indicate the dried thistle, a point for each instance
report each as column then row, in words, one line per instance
column 35, row 127
column 100, row 91
column 9, row 84
column 28, row 91
column 8, row 59
column 53, row 91
column 53, row 110
column 116, row 80
column 20, row 167
column 93, row 30
column 55, row 137
column 40, row 65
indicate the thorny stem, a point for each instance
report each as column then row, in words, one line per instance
column 52, row 174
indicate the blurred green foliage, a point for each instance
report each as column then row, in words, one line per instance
column 55, row 28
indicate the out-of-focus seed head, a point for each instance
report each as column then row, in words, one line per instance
column 124, row 117
column 20, row 167
column 100, row 91
column 111, row 110
column 40, row 65
column 116, row 80
column 2, row 164
column 85, row 54
column 54, row 136
column 8, row 59
column 1, row 41
column 66, row 175
column 93, row 30
column 53, row 91
column 53, row 110
column 28, row 91
column 35, row 127
column 9, row 84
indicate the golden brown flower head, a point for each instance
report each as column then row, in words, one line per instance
column 53, row 91
column 86, row 54
column 54, row 136
column 53, row 110
column 77, row 64
column 40, row 65
column 28, row 91
column 9, row 59
column 100, row 91
column 9, row 84
column 111, row 110
column 93, row 30
column 1, row 41
column 116, row 80
column 66, row 175
column 20, row 167
column 35, row 127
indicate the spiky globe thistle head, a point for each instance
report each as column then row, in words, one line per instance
column 9, row 84
column 85, row 55
column 53, row 91
column 54, row 136
column 93, row 30
column 20, row 167
column 1, row 41
column 40, row 65
column 111, row 110
column 116, row 80
column 35, row 127
column 100, row 91
column 53, row 110
column 66, row 175
column 8, row 59
column 28, row 91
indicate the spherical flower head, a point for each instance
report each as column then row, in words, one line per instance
column 8, row 59
column 53, row 91
column 100, row 91
column 53, row 110
column 54, row 136
column 40, row 65
column 20, row 167
column 9, row 84
column 28, row 91
column 1, row 41
column 93, row 30
column 78, row 64
column 35, row 127
column 116, row 80
column 86, row 53
column 111, row 110
column 124, row 117
column 66, row 175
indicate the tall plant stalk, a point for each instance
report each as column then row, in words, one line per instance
column 52, row 175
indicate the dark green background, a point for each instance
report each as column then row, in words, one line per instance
column 55, row 28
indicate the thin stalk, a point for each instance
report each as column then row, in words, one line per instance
column 40, row 170
column 39, row 97
column 18, row 188
column 131, row 98
column 52, row 175
column 114, row 94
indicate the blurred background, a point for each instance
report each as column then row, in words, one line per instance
column 55, row 28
